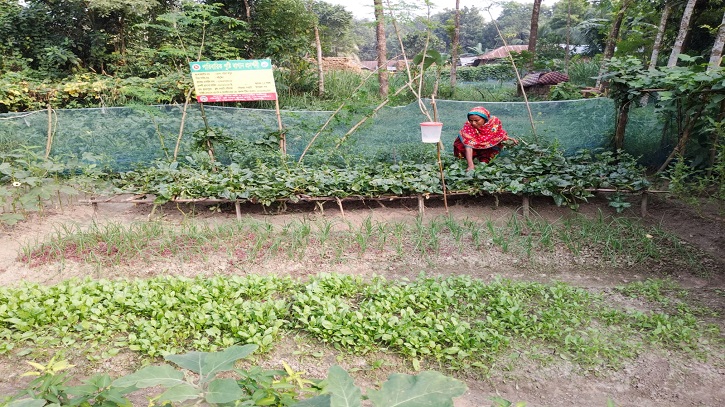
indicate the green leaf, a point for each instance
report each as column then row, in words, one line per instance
column 319, row 401
column 220, row 361
column 342, row 388
column 190, row 361
column 27, row 403
column 427, row 389
column 207, row 364
column 180, row 393
column 223, row 391
column 164, row 375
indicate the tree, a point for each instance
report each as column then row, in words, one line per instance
column 335, row 25
column 382, row 49
column 470, row 27
column 514, row 22
column 534, row 30
column 716, row 54
column 281, row 30
column 612, row 39
column 320, row 68
column 415, row 42
column 656, row 47
column 455, row 46
column 682, row 33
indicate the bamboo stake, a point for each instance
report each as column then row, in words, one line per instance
column 439, row 145
column 183, row 120
column 516, row 70
column 329, row 120
column 282, row 138
column 49, row 141
column 364, row 119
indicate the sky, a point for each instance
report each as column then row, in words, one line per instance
column 364, row 8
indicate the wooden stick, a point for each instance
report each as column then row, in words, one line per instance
column 364, row 119
column 364, row 81
column 526, row 206
column 183, row 120
column 282, row 138
column 339, row 205
column 49, row 141
column 443, row 178
column 643, row 204
column 421, row 205
column 238, row 209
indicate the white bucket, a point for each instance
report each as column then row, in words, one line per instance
column 431, row 131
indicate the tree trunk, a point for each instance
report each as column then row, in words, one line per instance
column 455, row 45
column 660, row 35
column 657, row 46
column 611, row 42
column 534, row 31
column 382, row 50
column 682, row 33
column 320, row 70
column 621, row 126
column 248, row 10
column 568, row 36
column 716, row 55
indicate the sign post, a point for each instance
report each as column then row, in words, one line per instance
column 236, row 81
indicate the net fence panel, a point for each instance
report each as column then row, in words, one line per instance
column 128, row 136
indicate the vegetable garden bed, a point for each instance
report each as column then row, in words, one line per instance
column 320, row 201
column 526, row 171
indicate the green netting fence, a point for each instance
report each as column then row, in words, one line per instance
column 129, row 136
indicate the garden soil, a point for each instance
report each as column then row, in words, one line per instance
column 653, row 378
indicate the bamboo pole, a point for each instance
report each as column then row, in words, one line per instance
column 516, row 70
column 364, row 119
column 282, row 138
column 332, row 116
column 49, row 141
column 183, row 121
column 439, row 145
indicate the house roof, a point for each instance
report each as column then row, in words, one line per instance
column 502, row 52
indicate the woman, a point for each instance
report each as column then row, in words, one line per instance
column 481, row 137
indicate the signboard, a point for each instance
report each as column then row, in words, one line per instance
column 232, row 81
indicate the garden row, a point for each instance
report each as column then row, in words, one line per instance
column 526, row 170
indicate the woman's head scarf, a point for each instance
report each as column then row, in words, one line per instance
column 489, row 135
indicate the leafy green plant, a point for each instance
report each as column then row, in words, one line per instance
column 49, row 384
column 565, row 91
column 618, row 202
column 531, row 169
column 211, row 383
column 205, row 386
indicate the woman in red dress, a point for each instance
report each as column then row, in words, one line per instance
column 481, row 137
